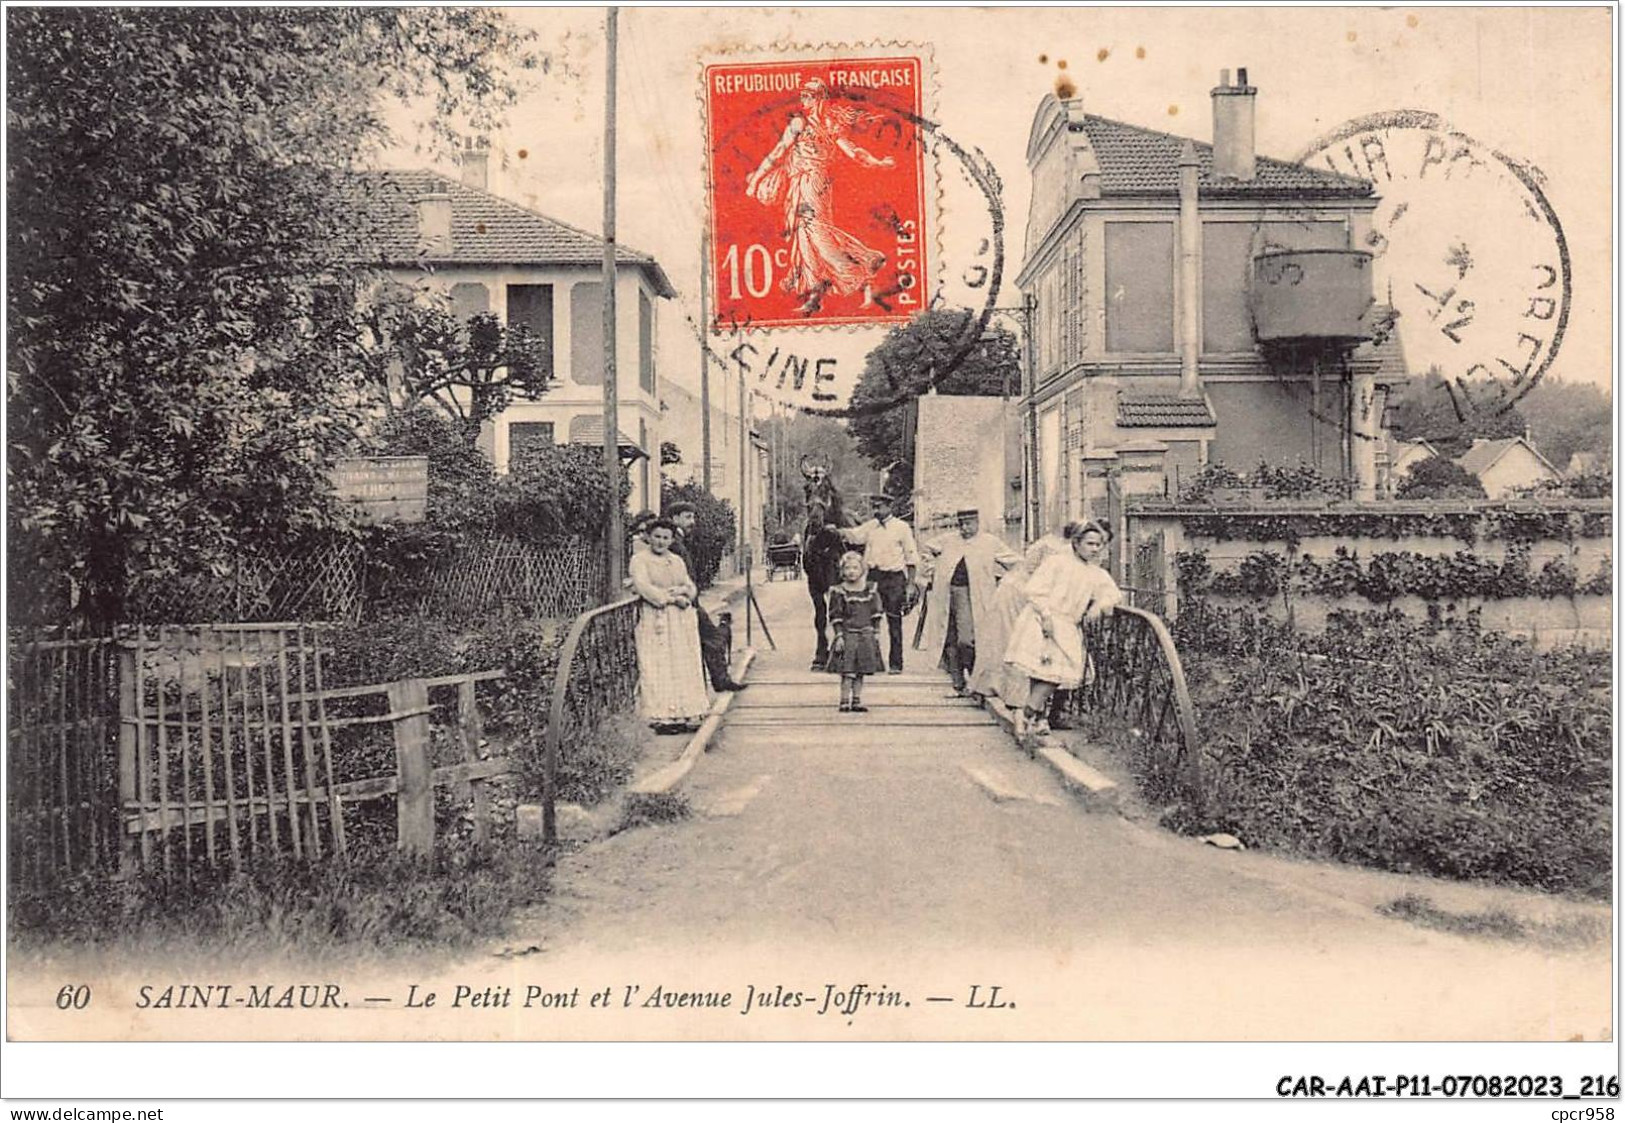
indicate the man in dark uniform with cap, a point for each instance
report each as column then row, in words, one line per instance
column 713, row 646
column 965, row 575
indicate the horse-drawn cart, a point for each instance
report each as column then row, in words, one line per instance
column 784, row 557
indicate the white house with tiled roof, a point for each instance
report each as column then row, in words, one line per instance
column 1195, row 302
column 1507, row 463
column 487, row 254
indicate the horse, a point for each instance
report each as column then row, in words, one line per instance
column 822, row 546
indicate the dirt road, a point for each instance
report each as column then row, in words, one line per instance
column 915, row 856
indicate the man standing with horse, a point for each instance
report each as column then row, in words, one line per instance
column 822, row 546
column 893, row 561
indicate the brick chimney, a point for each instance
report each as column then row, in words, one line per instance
column 1233, row 153
column 472, row 158
column 434, row 223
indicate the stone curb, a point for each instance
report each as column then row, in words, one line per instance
column 664, row 780
column 1096, row 791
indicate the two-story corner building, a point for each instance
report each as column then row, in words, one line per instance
column 487, row 254
column 1193, row 303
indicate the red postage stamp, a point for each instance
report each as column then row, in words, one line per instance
column 817, row 192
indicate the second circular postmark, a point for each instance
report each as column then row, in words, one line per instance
column 1467, row 248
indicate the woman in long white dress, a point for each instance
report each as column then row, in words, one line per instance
column 1046, row 644
column 671, row 677
column 993, row 634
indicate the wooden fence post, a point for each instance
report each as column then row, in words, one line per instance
column 414, row 798
column 129, row 733
column 470, row 728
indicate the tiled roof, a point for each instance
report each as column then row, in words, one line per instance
column 486, row 229
column 1485, row 453
column 1384, row 357
column 1137, row 161
column 1162, row 411
column 1398, row 448
column 587, row 429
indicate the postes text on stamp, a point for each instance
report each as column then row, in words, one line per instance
column 816, row 180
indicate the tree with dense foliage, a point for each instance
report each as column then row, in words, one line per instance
column 796, row 435
column 461, row 477
column 1438, row 478
column 1569, row 418
column 471, row 369
column 714, row 527
column 913, row 359
column 1451, row 415
column 557, row 491
column 185, row 354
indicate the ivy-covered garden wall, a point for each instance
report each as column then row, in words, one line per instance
column 1541, row 570
column 1363, row 686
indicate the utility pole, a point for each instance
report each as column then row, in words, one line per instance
column 1029, row 317
column 612, row 425
column 705, row 359
column 744, row 478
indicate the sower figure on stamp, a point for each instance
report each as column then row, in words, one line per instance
column 822, row 255
column 713, row 645
column 964, row 576
column 893, row 560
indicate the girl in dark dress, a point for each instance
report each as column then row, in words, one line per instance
column 854, row 608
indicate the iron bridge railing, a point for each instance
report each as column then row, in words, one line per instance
column 1134, row 673
column 597, row 678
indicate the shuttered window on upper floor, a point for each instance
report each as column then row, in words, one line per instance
column 1140, row 287
column 646, row 343
column 587, row 333
column 531, row 306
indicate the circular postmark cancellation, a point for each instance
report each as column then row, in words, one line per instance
column 1465, row 247
column 820, row 216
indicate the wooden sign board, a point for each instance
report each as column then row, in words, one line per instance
column 385, row 488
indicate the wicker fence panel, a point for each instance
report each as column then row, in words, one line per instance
column 502, row 574
column 328, row 582
column 319, row 581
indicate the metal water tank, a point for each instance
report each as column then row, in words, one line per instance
column 1312, row 295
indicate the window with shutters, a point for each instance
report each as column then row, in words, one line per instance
column 643, row 464
column 587, row 333
column 1140, row 287
column 646, row 343
column 528, row 436
column 469, row 299
column 1074, row 418
column 1080, row 297
column 531, row 306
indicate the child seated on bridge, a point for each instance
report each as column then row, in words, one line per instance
column 854, row 609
